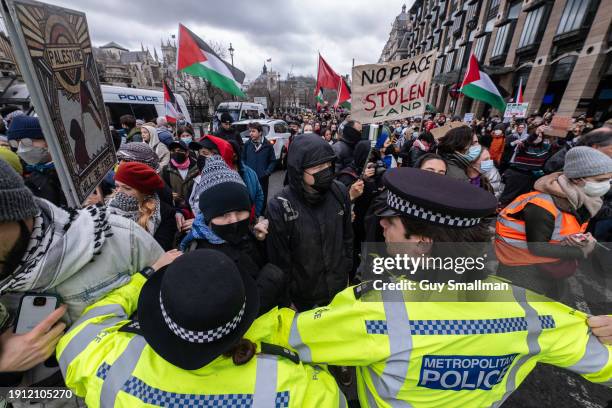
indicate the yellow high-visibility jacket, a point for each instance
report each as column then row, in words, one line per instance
column 105, row 361
column 411, row 353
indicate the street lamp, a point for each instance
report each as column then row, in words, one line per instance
column 279, row 91
column 231, row 51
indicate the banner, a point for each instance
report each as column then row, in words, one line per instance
column 391, row 91
column 53, row 49
column 518, row 110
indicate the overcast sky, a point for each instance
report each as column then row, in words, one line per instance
column 290, row 32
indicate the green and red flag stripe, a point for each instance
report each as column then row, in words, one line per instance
column 197, row 58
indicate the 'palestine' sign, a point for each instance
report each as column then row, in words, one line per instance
column 393, row 90
column 54, row 52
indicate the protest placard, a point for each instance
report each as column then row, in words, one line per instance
column 468, row 117
column 391, row 91
column 443, row 130
column 53, row 49
column 518, row 110
column 559, row 126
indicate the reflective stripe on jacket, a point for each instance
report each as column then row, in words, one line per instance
column 510, row 236
column 447, row 354
column 112, row 368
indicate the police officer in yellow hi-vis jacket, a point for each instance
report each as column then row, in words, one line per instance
column 443, row 354
column 196, row 344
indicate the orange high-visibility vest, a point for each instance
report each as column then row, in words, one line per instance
column 511, row 239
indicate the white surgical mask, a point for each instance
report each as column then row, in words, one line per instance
column 596, row 188
column 486, row 166
column 474, row 152
column 33, row 154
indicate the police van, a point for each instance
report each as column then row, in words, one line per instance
column 238, row 111
column 143, row 104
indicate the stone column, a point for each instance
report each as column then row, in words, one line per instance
column 585, row 77
column 538, row 78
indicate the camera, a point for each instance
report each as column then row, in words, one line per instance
column 40, row 301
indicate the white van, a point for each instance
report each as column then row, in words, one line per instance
column 141, row 103
column 238, row 111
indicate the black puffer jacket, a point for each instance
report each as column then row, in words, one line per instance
column 229, row 135
column 45, row 184
column 312, row 244
column 345, row 147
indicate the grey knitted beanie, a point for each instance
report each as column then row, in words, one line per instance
column 16, row 200
column 583, row 161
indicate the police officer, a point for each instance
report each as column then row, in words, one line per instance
column 451, row 354
column 196, row 344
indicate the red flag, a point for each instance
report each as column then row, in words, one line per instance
column 344, row 94
column 519, row 94
column 327, row 78
column 172, row 113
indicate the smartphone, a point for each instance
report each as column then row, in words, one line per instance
column 33, row 309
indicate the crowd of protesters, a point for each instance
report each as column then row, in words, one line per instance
column 193, row 215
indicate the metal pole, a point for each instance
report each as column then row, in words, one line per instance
column 231, row 51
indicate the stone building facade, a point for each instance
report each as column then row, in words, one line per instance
column 562, row 51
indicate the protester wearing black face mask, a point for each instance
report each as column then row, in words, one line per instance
column 179, row 175
column 224, row 224
column 344, row 148
column 310, row 235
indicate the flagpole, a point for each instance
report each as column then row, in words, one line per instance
column 176, row 76
column 459, row 90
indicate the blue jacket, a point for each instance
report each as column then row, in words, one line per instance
column 262, row 161
column 255, row 191
column 165, row 136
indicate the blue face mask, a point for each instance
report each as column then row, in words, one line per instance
column 473, row 153
column 486, row 166
column 187, row 139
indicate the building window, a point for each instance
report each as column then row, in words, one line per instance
column 450, row 57
column 472, row 13
column 439, row 65
column 535, row 23
column 458, row 25
column 573, row 16
column 493, row 8
column 481, row 47
column 500, row 47
column 515, row 10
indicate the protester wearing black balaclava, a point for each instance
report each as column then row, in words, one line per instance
column 310, row 235
column 351, row 135
column 372, row 185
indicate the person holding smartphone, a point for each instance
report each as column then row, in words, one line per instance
column 77, row 254
column 540, row 236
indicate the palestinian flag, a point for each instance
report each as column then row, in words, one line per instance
column 478, row 85
column 172, row 111
column 197, row 58
column 327, row 78
column 519, row 94
column 319, row 96
column 344, row 95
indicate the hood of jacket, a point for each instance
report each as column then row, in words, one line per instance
column 154, row 137
column 351, row 135
column 306, row 151
column 61, row 243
